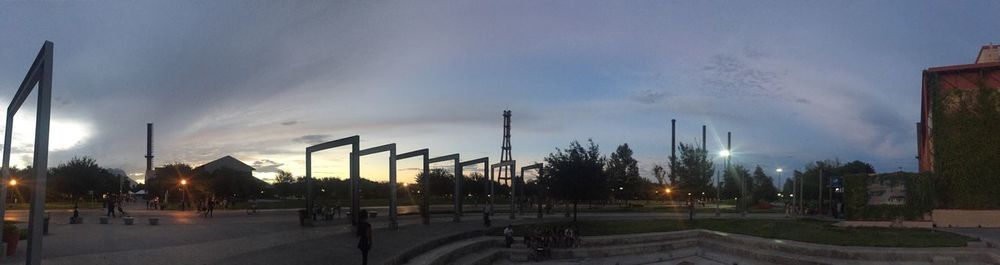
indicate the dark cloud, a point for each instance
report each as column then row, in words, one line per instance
column 312, row 138
column 730, row 75
column 648, row 96
column 289, row 123
column 802, row 100
column 266, row 166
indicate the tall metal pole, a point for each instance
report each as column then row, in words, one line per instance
column 819, row 206
column 802, row 194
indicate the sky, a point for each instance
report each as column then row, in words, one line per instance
column 794, row 81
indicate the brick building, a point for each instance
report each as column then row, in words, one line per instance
column 985, row 73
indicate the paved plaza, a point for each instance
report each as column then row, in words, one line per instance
column 269, row 237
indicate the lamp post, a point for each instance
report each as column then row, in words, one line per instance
column 718, row 181
column 13, row 182
column 779, row 170
column 184, row 183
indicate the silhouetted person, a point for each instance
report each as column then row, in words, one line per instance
column 210, row 208
column 508, row 234
column 364, row 235
column 109, row 202
column 486, row 215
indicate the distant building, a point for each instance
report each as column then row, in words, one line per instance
column 985, row 72
column 226, row 162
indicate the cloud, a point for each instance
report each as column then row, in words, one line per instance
column 648, row 96
column 311, row 138
column 289, row 123
column 730, row 75
column 267, row 166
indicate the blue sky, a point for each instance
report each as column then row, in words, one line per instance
column 261, row 80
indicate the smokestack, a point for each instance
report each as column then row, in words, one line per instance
column 673, row 139
column 703, row 129
column 149, row 150
column 729, row 143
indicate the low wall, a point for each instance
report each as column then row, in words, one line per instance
column 900, row 224
column 965, row 218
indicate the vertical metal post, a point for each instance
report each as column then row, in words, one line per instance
column 355, row 185
column 41, row 158
column 513, row 193
column 458, row 192
column 6, row 164
column 819, row 206
column 393, row 223
column 309, row 181
column 426, row 217
column 802, row 198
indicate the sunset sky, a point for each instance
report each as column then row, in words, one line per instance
column 261, row 80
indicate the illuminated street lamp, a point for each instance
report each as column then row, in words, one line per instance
column 184, row 183
column 718, row 182
column 13, row 182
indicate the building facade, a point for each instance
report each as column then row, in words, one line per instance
column 939, row 81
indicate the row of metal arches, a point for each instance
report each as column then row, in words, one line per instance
column 424, row 154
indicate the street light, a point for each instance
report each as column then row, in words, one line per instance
column 718, row 182
column 13, row 182
column 184, row 183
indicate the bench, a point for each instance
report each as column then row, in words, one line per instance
column 371, row 214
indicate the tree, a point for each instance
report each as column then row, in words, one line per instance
column 659, row 173
column 732, row 181
column 440, row 180
column 623, row 174
column 168, row 178
column 763, row 186
column 284, row 184
column 693, row 172
column 79, row 176
column 576, row 174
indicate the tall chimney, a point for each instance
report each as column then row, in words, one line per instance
column 673, row 139
column 149, row 151
column 703, row 129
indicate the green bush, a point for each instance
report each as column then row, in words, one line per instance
column 919, row 197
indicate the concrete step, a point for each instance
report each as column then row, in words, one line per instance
column 481, row 257
column 747, row 246
column 444, row 254
column 626, row 249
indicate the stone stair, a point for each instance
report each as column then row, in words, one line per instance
column 698, row 246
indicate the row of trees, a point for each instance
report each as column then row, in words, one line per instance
column 78, row 178
column 223, row 183
column 580, row 173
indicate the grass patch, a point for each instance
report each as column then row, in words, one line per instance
column 812, row 231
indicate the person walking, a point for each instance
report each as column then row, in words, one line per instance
column 508, row 234
column 121, row 210
column 211, row 208
column 364, row 236
column 486, row 215
column 109, row 202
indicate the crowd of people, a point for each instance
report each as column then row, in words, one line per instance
column 557, row 236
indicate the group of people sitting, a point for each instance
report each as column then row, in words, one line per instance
column 328, row 213
column 556, row 237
